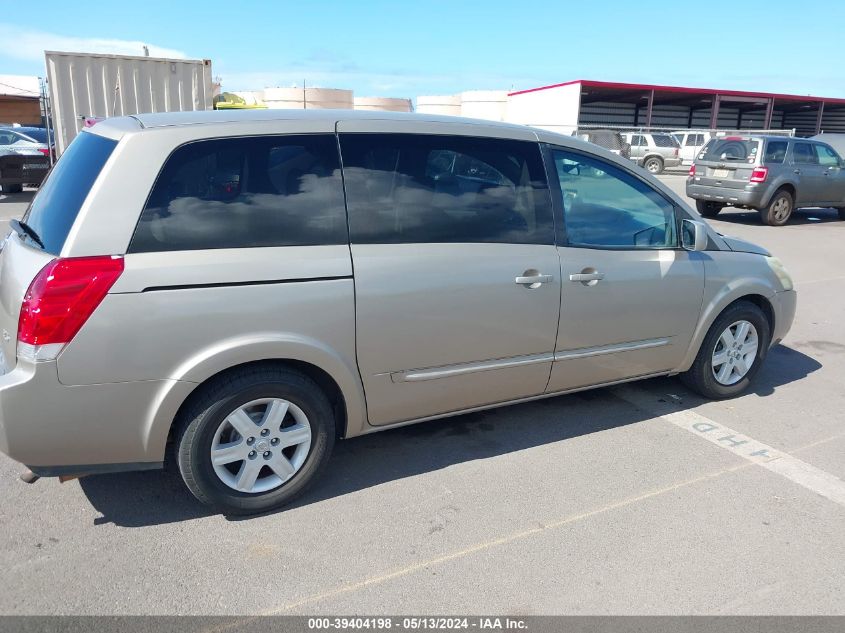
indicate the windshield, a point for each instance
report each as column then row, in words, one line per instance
column 733, row 149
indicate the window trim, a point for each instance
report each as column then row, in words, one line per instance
column 561, row 236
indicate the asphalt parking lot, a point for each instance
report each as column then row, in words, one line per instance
column 607, row 501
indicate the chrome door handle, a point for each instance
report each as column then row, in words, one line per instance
column 586, row 277
column 533, row 280
column 796, row 171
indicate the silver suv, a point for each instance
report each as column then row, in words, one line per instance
column 771, row 174
column 236, row 290
column 654, row 152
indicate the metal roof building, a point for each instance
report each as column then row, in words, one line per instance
column 566, row 106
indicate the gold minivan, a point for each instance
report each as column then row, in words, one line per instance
column 237, row 290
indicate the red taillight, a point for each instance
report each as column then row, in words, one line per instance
column 692, row 170
column 62, row 297
column 44, row 151
column 759, row 174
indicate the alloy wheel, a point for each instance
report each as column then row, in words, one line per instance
column 260, row 445
column 780, row 209
column 734, row 353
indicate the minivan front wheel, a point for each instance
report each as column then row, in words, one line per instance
column 255, row 440
column 732, row 352
column 779, row 210
column 653, row 165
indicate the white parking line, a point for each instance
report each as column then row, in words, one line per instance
column 784, row 464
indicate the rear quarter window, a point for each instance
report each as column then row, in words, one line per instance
column 664, row 140
column 246, row 192
column 776, row 152
column 57, row 203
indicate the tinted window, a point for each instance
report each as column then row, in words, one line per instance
column 664, row 140
column 246, row 192
column 776, row 151
column 607, row 206
column 692, row 140
column 637, row 140
column 406, row 188
column 803, row 153
column 731, row 149
column 826, row 156
column 57, row 203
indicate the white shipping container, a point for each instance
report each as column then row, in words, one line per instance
column 88, row 85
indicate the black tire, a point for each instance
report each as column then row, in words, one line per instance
column 779, row 209
column 841, row 212
column 12, row 188
column 199, row 421
column 700, row 377
column 708, row 208
column 653, row 165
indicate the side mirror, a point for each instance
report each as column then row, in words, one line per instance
column 693, row 235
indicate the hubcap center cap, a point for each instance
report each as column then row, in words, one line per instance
column 262, row 445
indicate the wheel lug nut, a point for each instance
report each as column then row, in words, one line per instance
column 250, row 440
column 265, row 432
column 274, row 441
column 267, row 454
column 252, row 454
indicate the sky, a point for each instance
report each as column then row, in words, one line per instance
column 407, row 48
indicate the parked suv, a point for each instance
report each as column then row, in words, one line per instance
column 239, row 289
column 655, row 152
column 611, row 140
column 771, row 174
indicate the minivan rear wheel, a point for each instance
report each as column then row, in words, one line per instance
column 653, row 165
column 731, row 353
column 255, row 439
column 779, row 210
column 708, row 208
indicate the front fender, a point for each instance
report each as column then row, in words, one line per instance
column 229, row 353
column 722, row 287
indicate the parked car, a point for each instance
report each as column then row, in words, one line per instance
column 25, row 141
column 655, row 152
column 691, row 142
column 772, row 174
column 231, row 307
column 611, row 140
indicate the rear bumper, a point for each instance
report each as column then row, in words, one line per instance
column 56, row 429
column 751, row 198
